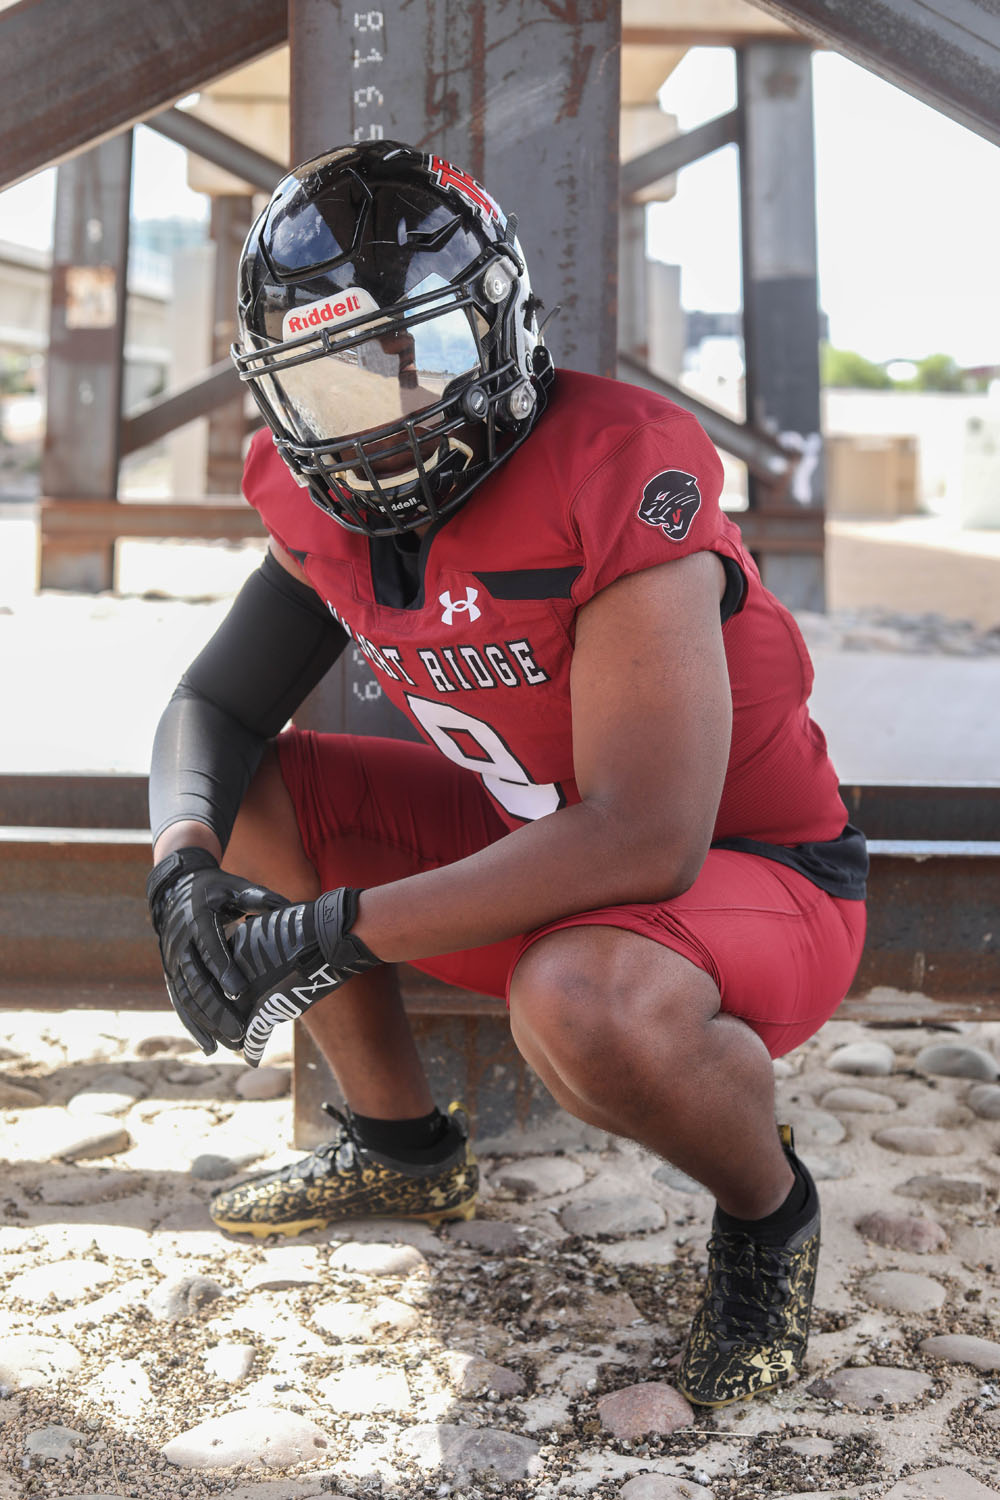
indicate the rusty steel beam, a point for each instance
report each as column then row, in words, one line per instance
column 781, row 531
column 205, row 140
column 663, row 161
column 933, row 933
column 74, row 933
column 900, row 810
column 945, row 52
column 84, row 523
column 908, row 810
column 81, row 451
column 154, row 419
column 56, row 800
column 72, row 903
column 73, row 75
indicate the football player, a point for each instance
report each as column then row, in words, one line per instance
column 622, row 817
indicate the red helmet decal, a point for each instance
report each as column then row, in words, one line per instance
column 448, row 176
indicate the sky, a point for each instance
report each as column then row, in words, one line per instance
column 908, row 212
column 907, row 209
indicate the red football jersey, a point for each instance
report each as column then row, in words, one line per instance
column 613, row 480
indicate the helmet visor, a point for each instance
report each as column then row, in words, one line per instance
column 402, row 366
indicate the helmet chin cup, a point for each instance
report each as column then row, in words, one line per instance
column 405, row 495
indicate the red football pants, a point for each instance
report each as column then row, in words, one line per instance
column 781, row 951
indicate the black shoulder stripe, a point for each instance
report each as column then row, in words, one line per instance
column 736, row 587
column 530, row 583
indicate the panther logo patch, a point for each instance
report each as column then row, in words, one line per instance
column 671, row 501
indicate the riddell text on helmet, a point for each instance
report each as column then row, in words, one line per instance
column 349, row 304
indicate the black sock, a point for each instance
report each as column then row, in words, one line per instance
column 779, row 1224
column 423, row 1140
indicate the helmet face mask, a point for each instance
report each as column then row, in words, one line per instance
column 388, row 334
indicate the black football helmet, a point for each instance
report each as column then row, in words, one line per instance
column 388, row 333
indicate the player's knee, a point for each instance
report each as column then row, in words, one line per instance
column 560, row 1003
column 586, row 997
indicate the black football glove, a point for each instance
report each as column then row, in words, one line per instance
column 293, row 957
column 190, row 900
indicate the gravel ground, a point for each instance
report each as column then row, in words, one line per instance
column 528, row 1353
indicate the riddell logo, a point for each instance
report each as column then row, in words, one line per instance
column 349, row 304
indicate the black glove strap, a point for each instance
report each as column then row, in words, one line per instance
column 180, row 862
column 336, row 914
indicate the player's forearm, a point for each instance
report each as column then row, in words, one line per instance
column 574, row 860
column 187, row 834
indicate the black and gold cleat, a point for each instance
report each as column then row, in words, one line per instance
column 344, row 1179
column 749, row 1335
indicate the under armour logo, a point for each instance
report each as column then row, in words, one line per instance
column 467, row 605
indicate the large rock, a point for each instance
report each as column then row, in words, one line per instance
column 957, row 1060
column 919, row 1140
column 472, row 1375
column 181, row 1296
column 51, row 1134
column 942, row 1189
column 353, row 1323
column 262, row 1434
column 284, row 1268
column 903, row 1232
column 964, row 1349
column 29, row 1360
column 637, row 1410
column 469, row 1451
column 540, row 1176
column 55, row 1444
column 940, row 1484
column 875, row 1059
column 903, row 1292
column 377, row 1259
column 873, row 1385
column 19, row 1093
column 629, row 1214
column 984, row 1100
column 859, row 1101
column 59, row 1281
column 663, row 1487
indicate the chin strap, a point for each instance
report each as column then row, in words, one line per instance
column 451, row 458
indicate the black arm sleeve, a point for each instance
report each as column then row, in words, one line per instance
column 277, row 642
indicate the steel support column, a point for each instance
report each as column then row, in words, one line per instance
column 633, row 292
column 231, row 217
column 524, row 96
column 780, row 293
column 86, row 349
